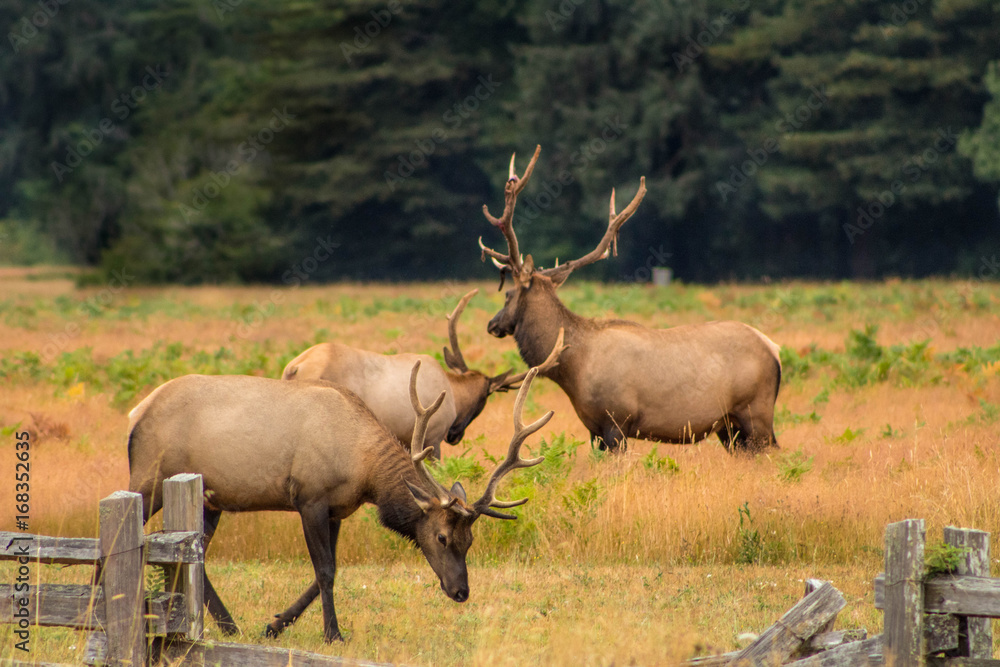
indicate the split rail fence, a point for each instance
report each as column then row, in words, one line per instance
column 936, row 621
column 129, row 626
column 939, row 621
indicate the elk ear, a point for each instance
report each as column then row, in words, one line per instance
column 499, row 382
column 423, row 499
column 453, row 361
column 558, row 277
column 458, row 491
column 527, row 272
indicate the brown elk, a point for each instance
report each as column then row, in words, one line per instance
column 315, row 449
column 380, row 381
column 675, row 385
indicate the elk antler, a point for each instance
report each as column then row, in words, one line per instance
column 504, row 223
column 453, row 357
column 417, row 451
column 558, row 274
column 513, row 461
column 550, row 362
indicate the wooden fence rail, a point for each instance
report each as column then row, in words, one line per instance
column 940, row 621
column 943, row 619
column 129, row 625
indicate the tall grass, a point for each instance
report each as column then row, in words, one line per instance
column 614, row 557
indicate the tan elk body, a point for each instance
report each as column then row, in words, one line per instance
column 312, row 448
column 624, row 380
column 381, row 379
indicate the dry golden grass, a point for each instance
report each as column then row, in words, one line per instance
column 646, row 570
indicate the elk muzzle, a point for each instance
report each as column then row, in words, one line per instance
column 498, row 327
column 459, row 595
column 455, row 434
column 457, row 590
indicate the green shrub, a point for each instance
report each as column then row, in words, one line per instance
column 461, row 468
column 656, row 463
column 942, row 558
column 794, row 465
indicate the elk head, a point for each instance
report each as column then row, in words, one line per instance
column 522, row 269
column 444, row 530
column 475, row 386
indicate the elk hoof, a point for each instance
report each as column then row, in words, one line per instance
column 272, row 632
column 228, row 629
column 335, row 637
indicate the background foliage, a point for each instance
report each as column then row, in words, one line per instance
column 785, row 137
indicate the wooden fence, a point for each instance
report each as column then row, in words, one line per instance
column 129, row 626
column 940, row 621
column 937, row 621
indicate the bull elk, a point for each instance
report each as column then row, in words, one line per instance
column 380, row 381
column 675, row 385
column 315, row 449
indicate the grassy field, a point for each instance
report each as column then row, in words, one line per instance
column 889, row 409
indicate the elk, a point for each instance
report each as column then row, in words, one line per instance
column 316, row 449
column 380, row 382
column 675, row 385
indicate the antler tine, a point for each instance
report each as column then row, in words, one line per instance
column 504, row 223
column 453, row 357
column 610, row 239
column 550, row 362
column 499, row 259
column 521, row 182
column 417, row 451
column 513, row 461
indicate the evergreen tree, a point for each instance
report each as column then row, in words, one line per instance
column 857, row 107
column 613, row 90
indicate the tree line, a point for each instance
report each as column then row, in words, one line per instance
column 241, row 140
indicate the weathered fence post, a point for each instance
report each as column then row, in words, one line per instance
column 122, row 578
column 809, row 615
column 975, row 637
column 183, row 510
column 904, row 593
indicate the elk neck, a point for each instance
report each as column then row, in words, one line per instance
column 397, row 510
column 538, row 327
column 466, row 389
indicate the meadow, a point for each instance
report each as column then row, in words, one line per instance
column 889, row 409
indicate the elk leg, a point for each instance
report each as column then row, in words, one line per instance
column 731, row 435
column 754, row 434
column 614, row 437
column 222, row 617
column 596, row 439
column 319, row 530
column 290, row 615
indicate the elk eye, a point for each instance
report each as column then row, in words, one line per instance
column 443, row 539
